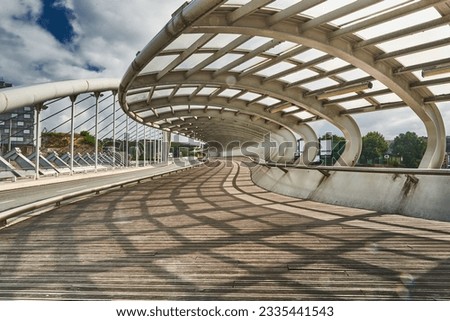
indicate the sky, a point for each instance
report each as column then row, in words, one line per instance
column 54, row 40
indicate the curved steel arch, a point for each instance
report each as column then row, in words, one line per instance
column 254, row 19
column 255, row 113
column 241, row 124
column 239, row 106
column 351, row 51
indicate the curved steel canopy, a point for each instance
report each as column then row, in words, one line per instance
column 238, row 69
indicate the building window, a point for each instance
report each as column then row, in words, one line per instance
column 2, row 123
column 13, row 115
column 26, row 131
column 27, row 108
column 28, row 116
column 17, row 139
column 20, row 123
column 6, row 131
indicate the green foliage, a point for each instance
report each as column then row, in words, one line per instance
column 410, row 147
column 53, row 134
column 88, row 138
column 374, row 146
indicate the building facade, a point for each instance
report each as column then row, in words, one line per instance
column 16, row 128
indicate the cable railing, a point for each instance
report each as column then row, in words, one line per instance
column 102, row 120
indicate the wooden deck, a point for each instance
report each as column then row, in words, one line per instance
column 210, row 234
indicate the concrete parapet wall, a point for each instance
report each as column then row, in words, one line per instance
column 418, row 195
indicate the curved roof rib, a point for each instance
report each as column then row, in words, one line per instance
column 16, row 97
column 288, row 63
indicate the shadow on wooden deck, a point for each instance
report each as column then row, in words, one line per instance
column 211, row 234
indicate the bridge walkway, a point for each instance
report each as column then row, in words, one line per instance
column 210, row 234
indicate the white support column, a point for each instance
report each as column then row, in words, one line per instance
column 145, row 147
column 154, row 146
column 114, row 129
column 73, row 98
column 97, row 95
column 136, row 151
column 38, row 138
column 126, row 142
column 160, row 146
column 168, row 142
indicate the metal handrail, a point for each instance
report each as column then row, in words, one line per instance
column 384, row 170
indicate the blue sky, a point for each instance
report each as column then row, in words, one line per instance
column 56, row 18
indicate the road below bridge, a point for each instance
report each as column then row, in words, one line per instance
column 210, row 234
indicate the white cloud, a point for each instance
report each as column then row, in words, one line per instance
column 109, row 33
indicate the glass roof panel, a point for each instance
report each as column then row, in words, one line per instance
column 193, row 61
column 369, row 12
column 268, row 101
column 248, row 64
column 399, row 23
column 318, row 84
column 147, row 113
column 197, row 107
column 207, row 91
column 326, row 7
column 282, row 4
column 299, row 75
column 137, row 97
column 353, row 74
column 279, row 67
column 332, row 64
column 158, row 63
column 282, row 47
column 221, row 40
column 185, row 91
column 222, row 62
column 249, row 96
column 354, row 103
column 253, row 43
column 376, row 85
column 162, row 93
column 303, row 115
column 229, row 92
column 236, row 2
column 184, row 41
column 440, row 89
column 389, row 98
column 425, row 56
column 180, row 107
column 163, row 110
column 413, row 40
column 309, row 55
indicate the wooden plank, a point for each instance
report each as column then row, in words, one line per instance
column 209, row 233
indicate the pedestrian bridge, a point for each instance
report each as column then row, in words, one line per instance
column 248, row 79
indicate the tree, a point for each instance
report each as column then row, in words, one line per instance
column 374, row 146
column 410, row 147
column 88, row 138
